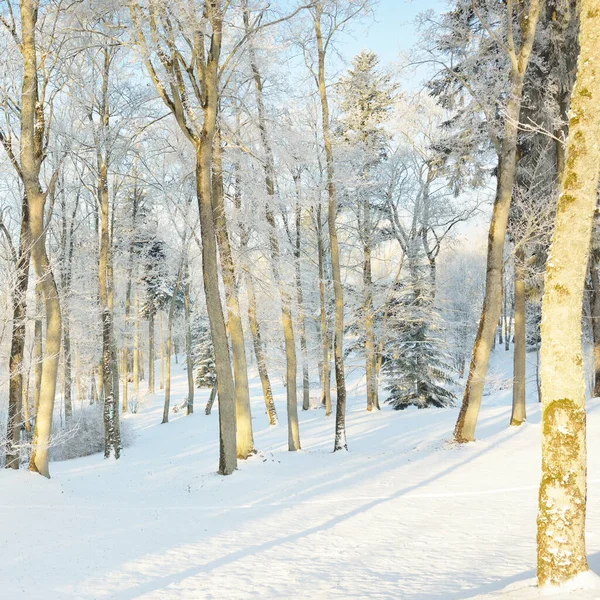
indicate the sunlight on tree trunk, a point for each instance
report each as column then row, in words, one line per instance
column 562, row 497
column 507, row 165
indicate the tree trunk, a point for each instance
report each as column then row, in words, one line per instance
column 286, row 301
column 204, row 152
column 595, row 308
column 110, row 398
column 17, row 346
column 43, row 424
column 169, row 341
column 325, row 339
column 38, row 348
column 245, row 441
column 492, row 303
column 68, row 243
column 161, row 345
column 67, row 367
column 338, row 341
column 128, row 290
column 371, row 375
column 563, row 488
column 136, row 352
column 252, row 317
column 520, row 347
column 261, row 361
column 188, row 340
column 300, row 298
column 31, row 140
column 151, row 375
column 211, row 400
column 509, row 323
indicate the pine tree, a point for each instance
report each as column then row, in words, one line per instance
column 366, row 98
column 415, row 362
column 203, row 354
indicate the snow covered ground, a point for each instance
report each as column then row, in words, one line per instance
column 402, row 515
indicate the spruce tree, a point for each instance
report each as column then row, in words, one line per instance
column 203, row 354
column 415, row 362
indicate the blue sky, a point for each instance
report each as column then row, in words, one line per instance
column 393, row 30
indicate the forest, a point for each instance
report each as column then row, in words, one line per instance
column 283, row 316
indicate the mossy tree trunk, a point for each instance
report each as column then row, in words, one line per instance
column 562, row 497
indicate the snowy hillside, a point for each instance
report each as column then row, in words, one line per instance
column 402, row 515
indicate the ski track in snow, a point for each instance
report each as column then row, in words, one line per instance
column 402, row 515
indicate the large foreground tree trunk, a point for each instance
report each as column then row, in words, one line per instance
column 507, row 166
column 33, row 130
column 210, row 271
column 245, row 440
column 562, row 497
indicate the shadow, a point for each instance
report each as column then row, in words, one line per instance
column 157, row 583
column 499, row 584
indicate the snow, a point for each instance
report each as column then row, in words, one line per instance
column 403, row 515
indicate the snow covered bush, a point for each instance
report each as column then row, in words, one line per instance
column 84, row 435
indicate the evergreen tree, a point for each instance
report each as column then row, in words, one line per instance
column 203, row 355
column 367, row 96
column 415, row 361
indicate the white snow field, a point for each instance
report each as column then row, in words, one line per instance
column 402, row 515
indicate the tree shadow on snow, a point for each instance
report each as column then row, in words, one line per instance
column 499, row 584
column 158, row 582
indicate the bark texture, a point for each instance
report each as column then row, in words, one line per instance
column 245, row 440
column 31, row 154
column 562, row 496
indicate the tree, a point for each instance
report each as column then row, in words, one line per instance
column 414, row 360
column 33, row 148
column 334, row 13
column 366, row 98
column 203, row 354
column 286, row 301
column 518, row 45
column 562, row 498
